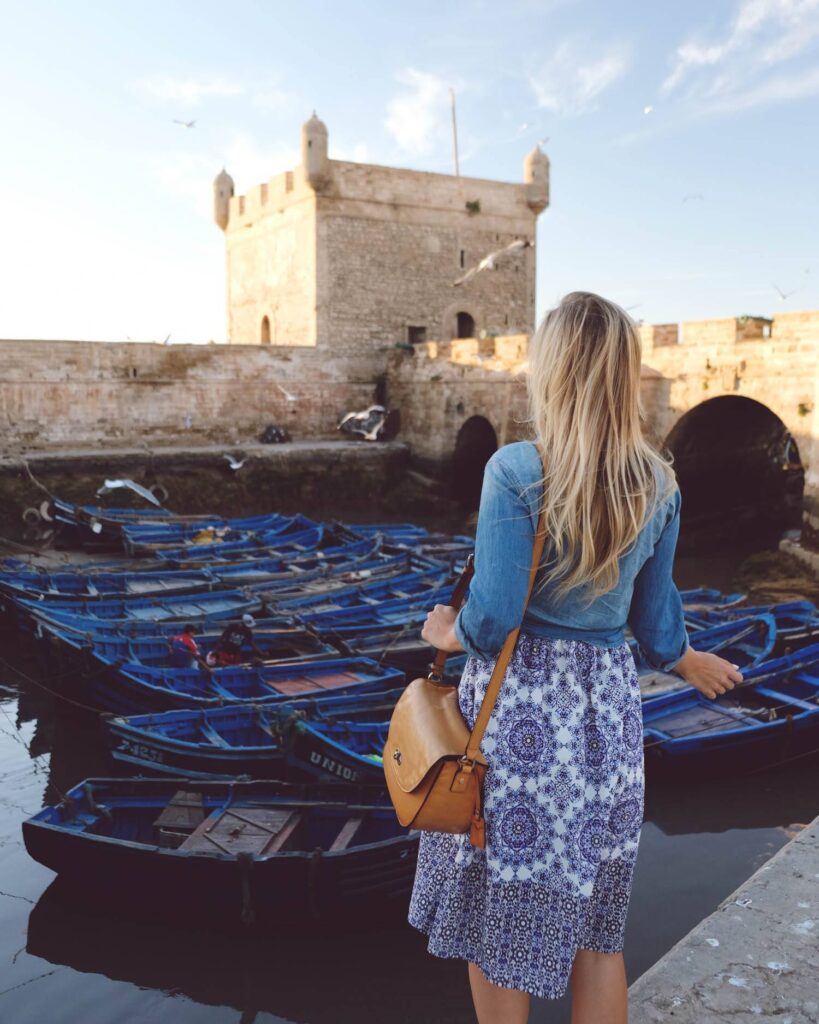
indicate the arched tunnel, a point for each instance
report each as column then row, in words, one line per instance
column 739, row 471
column 475, row 444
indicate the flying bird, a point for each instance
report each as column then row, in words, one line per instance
column 235, row 464
column 143, row 492
column 784, row 295
column 690, row 196
column 648, row 109
column 489, row 262
column 287, row 395
column 185, row 124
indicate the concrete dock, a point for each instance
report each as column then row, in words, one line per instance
column 756, row 958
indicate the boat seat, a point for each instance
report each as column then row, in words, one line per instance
column 179, row 818
column 212, row 736
column 347, row 833
column 254, row 830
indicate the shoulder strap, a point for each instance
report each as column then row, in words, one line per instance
column 502, row 661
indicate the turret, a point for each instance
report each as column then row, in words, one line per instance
column 223, row 189
column 536, row 177
column 314, row 151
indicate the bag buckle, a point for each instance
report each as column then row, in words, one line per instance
column 467, row 763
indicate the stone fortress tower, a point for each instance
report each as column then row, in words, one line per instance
column 352, row 255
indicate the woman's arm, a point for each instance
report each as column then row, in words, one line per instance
column 656, row 618
column 503, row 555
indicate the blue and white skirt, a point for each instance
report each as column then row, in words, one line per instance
column 563, row 800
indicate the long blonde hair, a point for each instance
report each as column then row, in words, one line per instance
column 602, row 477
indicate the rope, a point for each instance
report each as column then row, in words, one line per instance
column 56, row 693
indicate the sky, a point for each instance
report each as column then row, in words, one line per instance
column 682, row 137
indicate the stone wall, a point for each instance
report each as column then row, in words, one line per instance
column 440, row 386
column 73, row 393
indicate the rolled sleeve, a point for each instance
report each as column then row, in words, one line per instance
column 503, row 555
column 656, row 614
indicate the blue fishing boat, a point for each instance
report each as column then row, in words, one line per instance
column 287, row 643
column 328, row 737
column 797, row 622
column 307, row 539
column 772, row 717
column 82, row 615
column 743, row 641
column 249, row 851
column 142, row 539
column 131, row 688
column 709, row 598
column 273, row 571
column 367, row 589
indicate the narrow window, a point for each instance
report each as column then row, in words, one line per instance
column 416, row 335
column 463, row 258
column 265, row 331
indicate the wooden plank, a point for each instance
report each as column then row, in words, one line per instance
column 237, row 830
column 184, row 810
column 347, row 833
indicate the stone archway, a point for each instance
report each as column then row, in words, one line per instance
column 739, row 469
column 475, row 444
column 460, row 317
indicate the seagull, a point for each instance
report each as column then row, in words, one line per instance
column 143, row 492
column 185, row 124
column 648, row 109
column 235, row 464
column 488, row 262
column 689, row 196
column 167, row 341
column 287, row 395
column 784, row 295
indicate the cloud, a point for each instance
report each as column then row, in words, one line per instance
column 417, row 117
column 188, row 90
column 574, row 76
column 739, row 69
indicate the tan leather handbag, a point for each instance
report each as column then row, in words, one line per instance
column 432, row 762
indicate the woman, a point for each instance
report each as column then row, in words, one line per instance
column 544, row 905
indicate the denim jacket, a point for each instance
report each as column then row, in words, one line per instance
column 645, row 598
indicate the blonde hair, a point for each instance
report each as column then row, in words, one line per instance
column 602, row 477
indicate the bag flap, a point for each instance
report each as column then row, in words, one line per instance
column 426, row 725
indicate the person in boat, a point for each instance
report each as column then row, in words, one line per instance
column 543, row 907
column 229, row 648
column 184, row 649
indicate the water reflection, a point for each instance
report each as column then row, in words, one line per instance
column 63, row 959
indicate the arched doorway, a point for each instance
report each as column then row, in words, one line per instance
column 476, row 442
column 464, row 325
column 265, row 330
column 739, row 470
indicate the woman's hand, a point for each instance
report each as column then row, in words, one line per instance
column 710, row 674
column 439, row 628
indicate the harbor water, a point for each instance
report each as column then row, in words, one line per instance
column 64, row 960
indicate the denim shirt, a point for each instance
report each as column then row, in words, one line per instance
column 645, row 598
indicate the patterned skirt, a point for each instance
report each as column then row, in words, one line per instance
column 563, row 801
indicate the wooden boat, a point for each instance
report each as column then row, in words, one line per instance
column 132, row 688
column 367, row 591
column 287, row 643
column 137, row 536
column 797, row 622
column 248, row 545
column 708, row 598
column 771, row 718
column 83, row 616
column 354, row 619
column 246, row 850
column 330, row 738
column 270, row 572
